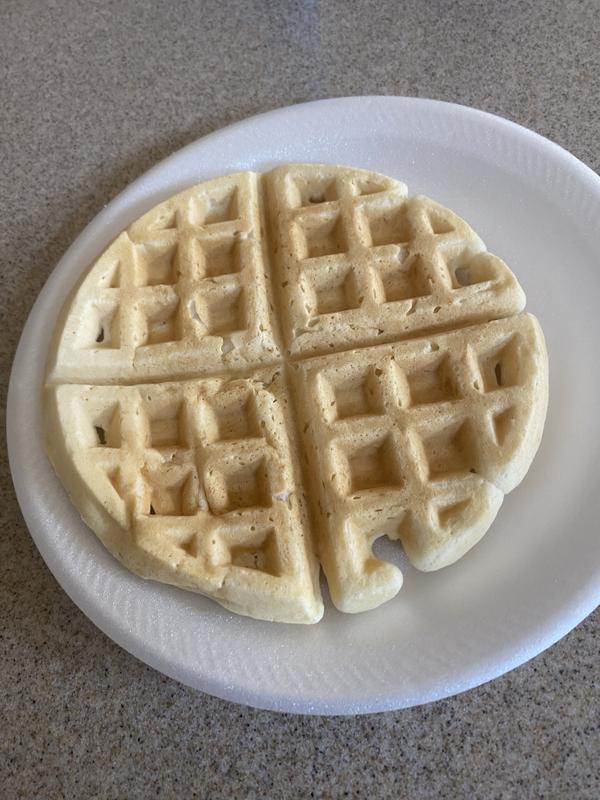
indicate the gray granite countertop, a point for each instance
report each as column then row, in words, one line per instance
column 91, row 95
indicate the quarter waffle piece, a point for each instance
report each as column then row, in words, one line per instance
column 419, row 440
column 359, row 263
column 194, row 483
column 268, row 371
column 182, row 291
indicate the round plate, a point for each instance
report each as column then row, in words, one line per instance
column 537, row 572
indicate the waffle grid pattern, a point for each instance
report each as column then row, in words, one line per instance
column 361, row 264
column 184, row 284
column 212, row 456
column 409, row 439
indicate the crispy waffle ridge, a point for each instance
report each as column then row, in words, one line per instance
column 268, row 371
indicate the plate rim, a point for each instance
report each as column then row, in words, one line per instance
column 580, row 604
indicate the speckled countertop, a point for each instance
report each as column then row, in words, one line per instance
column 91, row 95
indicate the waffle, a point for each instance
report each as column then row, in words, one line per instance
column 268, row 371
column 182, row 291
column 419, row 441
column 195, row 484
column 359, row 263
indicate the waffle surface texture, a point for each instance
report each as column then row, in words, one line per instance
column 266, row 372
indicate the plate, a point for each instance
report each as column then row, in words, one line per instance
column 537, row 572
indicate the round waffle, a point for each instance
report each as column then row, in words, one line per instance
column 268, row 371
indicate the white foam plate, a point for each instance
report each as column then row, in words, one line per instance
column 537, row 572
